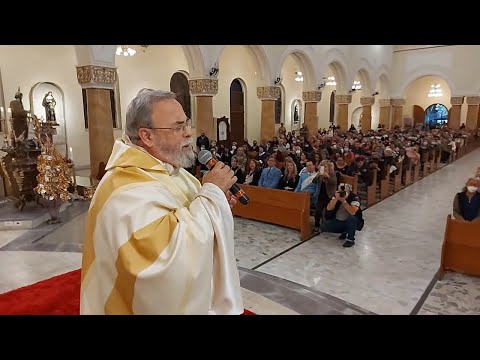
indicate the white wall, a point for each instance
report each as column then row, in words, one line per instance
column 28, row 65
column 150, row 69
column 417, row 94
column 293, row 90
column 236, row 61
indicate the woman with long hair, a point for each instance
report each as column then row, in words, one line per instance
column 289, row 180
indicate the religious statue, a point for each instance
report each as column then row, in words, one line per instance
column 19, row 119
column 49, row 104
column 296, row 118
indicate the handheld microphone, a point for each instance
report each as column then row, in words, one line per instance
column 205, row 157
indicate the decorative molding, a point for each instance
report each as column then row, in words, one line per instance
column 456, row 100
column 473, row 100
column 312, row 96
column 398, row 102
column 367, row 101
column 203, row 87
column 268, row 92
column 343, row 99
column 94, row 76
column 385, row 102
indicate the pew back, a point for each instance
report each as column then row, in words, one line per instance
column 280, row 207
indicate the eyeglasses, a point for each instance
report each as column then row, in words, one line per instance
column 187, row 125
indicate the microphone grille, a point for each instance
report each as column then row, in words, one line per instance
column 204, row 156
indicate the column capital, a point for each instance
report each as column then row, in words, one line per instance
column 398, row 102
column 203, row 87
column 385, row 102
column 95, row 76
column 268, row 92
column 312, row 96
column 367, row 101
column 457, row 100
column 343, row 99
column 473, row 100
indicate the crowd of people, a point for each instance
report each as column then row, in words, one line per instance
column 314, row 162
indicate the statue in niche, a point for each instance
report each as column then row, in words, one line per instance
column 295, row 114
column 49, row 105
column 19, row 119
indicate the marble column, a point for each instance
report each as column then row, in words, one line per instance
column 204, row 90
column 268, row 95
column 311, row 99
column 397, row 116
column 366, row 103
column 455, row 112
column 342, row 102
column 385, row 113
column 97, row 82
column 472, row 112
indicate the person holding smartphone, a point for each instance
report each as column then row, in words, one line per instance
column 343, row 215
column 326, row 181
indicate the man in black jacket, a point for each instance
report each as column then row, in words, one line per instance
column 343, row 215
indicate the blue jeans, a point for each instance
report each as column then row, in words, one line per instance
column 348, row 226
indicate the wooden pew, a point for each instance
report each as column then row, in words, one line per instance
column 433, row 162
column 372, row 190
column 426, row 164
column 397, row 183
column 461, row 247
column 385, row 184
column 280, row 207
column 408, row 173
column 416, row 172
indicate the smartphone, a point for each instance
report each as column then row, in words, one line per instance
column 322, row 170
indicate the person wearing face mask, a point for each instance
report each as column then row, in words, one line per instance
column 466, row 205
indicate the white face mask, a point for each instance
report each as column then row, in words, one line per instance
column 234, row 147
column 298, row 152
column 472, row 189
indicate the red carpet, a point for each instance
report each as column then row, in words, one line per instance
column 59, row 295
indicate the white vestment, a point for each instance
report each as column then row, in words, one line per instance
column 157, row 242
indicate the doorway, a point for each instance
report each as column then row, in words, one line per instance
column 237, row 112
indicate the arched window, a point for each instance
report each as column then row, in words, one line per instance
column 179, row 85
column 436, row 115
column 332, row 107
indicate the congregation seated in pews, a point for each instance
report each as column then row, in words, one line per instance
column 376, row 163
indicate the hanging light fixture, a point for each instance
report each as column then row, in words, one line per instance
column 298, row 76
column 331, row 81
column 435, row 91
column 356, row 85
column 125, row 50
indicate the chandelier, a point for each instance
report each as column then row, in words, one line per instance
column 435, row 91
column 356, row 86
column 125, row 50
column 299, row 76
column 331, row 81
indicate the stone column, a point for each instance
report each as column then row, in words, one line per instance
column 455, row 112
column 342, row 102
column 366, row 103
column 311, row 99
column 385, row 113
column 268, row 95
column 97, row 82
column 397, row 117
column 204, row 90
column 472, row 112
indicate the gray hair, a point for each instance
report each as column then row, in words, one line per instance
column 139, row 111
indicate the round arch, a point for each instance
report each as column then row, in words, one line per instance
column 336, row 61
column 430, row 70
column 195, row 61
column 305, row 62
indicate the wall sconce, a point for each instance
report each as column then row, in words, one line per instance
column 214, row 70
column 277, row 81
column 375, row 93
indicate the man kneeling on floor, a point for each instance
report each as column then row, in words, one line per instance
column 343, row 215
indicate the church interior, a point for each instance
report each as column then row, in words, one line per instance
column 398, row 125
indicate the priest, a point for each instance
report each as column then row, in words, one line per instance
column 157, row 241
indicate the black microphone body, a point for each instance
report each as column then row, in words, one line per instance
column 205, row 157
